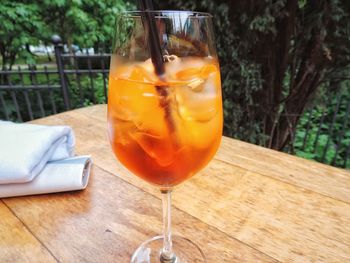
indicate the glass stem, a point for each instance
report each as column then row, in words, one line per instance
column 167, row 254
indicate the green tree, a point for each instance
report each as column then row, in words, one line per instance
column 86, row 23
column 21, row 25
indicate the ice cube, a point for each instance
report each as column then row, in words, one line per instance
column 188, row 74
column 192, row 69
column 119, row 131
column 138, row 101
column 207, row 70
column 196, row 85
column 172, row 66
column 148, row 65
column 172, row 58
column 157, row 147
column 203, row 134
column 199, row 100
column 140, row 73
column 122, row 113
column 195, row 133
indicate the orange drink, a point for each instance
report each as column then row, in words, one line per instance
column 164, row 109
column 165, row 129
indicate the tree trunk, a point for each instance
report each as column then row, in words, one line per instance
column 303, row 86
column 3, row 55
column 274, row 66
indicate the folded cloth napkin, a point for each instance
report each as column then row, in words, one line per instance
column 59, row 176
column 38, row 159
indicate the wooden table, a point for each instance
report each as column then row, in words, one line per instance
column 250, row 204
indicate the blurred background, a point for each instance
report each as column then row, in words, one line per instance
column 285, row 66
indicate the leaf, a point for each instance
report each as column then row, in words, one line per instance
column 302, row 3
column 306, row 155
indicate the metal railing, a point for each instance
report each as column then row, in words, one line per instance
column 23, row 97
column 26, row 94
column 74, row 67
column 323, row 133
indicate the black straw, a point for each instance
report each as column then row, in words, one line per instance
column 149, row 22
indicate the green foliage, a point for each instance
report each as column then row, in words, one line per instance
column 86, row 23
column 21, row 24
column 77, row 99
column 323, row 134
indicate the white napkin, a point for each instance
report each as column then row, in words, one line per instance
column 29, row 160
column 59, row 176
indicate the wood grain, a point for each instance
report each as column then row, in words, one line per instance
column 263, row 212
column 286, row 222
column 108, row 220
column 317, row 177
column 289, row 208
column 17, row 244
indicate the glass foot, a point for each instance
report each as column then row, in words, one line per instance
column 185, row 251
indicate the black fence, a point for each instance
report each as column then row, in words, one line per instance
column 24, row 97
column 30, row 93
column 323, row 133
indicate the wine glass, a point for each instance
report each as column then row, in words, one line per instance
column 165, row 117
